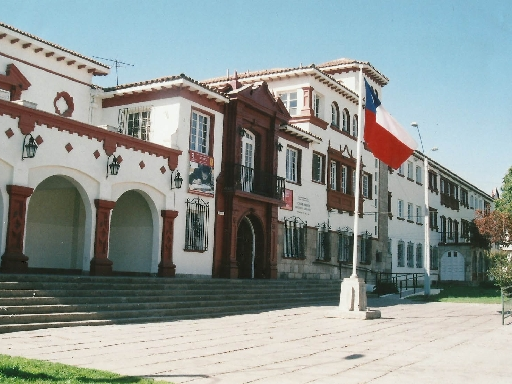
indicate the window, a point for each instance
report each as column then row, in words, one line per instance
column 316, row 105
column 418, row 174
column 433, row 218
column 400, row 253
column 295, row 232
column 409, row 212
column 138, row 125
column 450, row 229
column 401, row 170
column 471, row 202
column 354, row 126
column 333, row 175
column 199, row 130
column 432, row 181
column 418, row 215
column 367, row 186
column 410, row 254
column 410, row 170
column 322, row 243
column 318, row 168
column 344, row 175
column 135, row 122
column 345, row 245
column 464, row 230
column 335, row 115
column 196, row 230
column 346, row 121
column 293, row 165
column 290, row 102
column 419, row 255
column 464, row 200
column 443, row 229
column 353, row 191
column 400, row 213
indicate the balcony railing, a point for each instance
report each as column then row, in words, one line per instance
column 449, row 201
column 242, row 178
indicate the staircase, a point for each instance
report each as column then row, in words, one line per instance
column 47, row 301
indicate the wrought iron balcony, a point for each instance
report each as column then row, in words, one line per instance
column 242, row 178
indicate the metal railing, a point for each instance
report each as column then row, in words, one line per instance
column 242, row 178
column 401, row 281
column 506, row 303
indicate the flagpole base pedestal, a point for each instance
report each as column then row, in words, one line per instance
column 353, row 301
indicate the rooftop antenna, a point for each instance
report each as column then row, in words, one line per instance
column 117, row 64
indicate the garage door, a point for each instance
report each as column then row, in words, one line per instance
column 452, row 266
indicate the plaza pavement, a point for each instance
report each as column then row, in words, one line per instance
column 411, row 343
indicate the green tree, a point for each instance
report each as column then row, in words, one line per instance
column 504, row 203
column 501, row 268
column 496, row 226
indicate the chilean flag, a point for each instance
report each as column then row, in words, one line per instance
column 385, row 137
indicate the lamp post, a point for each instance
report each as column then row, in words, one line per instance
column 426, row 278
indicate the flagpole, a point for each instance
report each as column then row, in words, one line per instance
column 353, row 298
column 358, row 170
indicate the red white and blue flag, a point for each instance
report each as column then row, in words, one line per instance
column 386, row 138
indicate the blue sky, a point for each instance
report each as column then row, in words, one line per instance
column 447, row 61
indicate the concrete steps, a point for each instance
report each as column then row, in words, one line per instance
column 45, row 301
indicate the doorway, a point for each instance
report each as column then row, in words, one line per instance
column 250, row 249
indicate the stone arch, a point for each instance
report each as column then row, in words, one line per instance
column 57, row 217
column 133, row 242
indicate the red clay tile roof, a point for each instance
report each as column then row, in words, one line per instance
column 163, row 80
column 52, row 45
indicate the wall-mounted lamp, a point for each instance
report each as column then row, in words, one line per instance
column 113, row 166
column 29, row 149
column 241, row 131
column 279, row 146
column 177, row 181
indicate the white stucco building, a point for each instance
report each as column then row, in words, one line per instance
column 251, row 176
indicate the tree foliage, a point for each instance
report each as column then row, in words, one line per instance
column 495, row 226
column 504, row 203
column 501, row 268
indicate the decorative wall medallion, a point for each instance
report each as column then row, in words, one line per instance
column 9, row 133
column 63, row 104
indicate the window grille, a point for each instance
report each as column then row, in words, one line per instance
column 366, row 248
column 196, row 231
column 434, row 258
column 345, row 244
column 410, row 254
column 419, row 255
column 322, row 243
column 400, row 253
column 295, row 235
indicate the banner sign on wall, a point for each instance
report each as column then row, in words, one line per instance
column 200, row 177
column 288, row 200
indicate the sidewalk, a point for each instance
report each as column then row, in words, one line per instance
column 412, row 342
